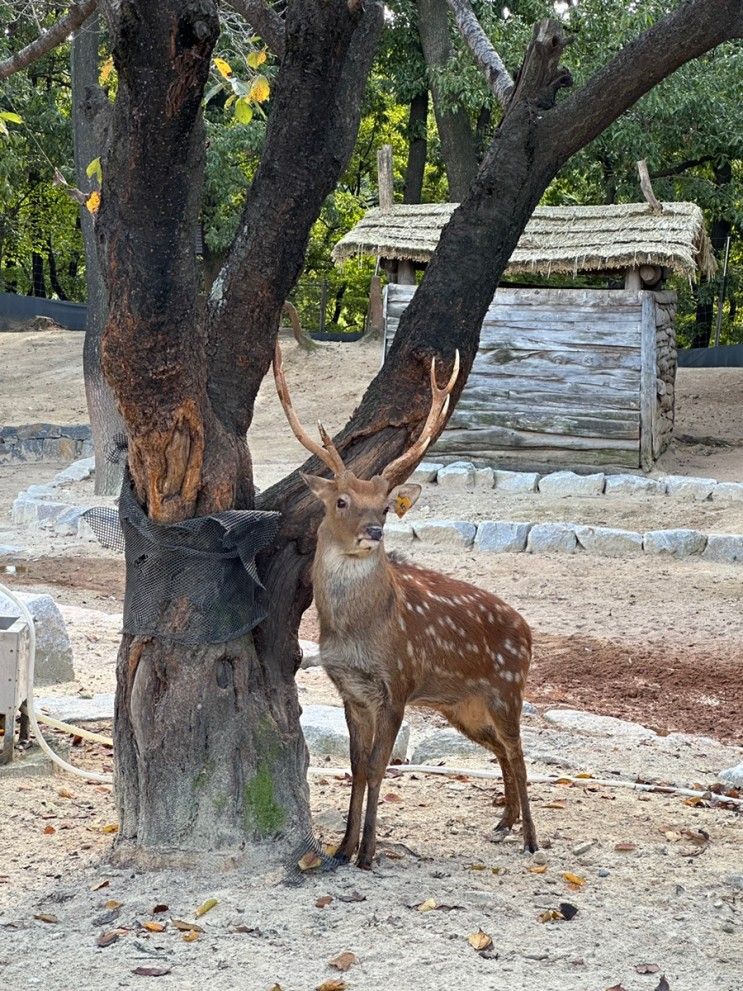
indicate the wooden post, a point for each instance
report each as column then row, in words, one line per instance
column 632, row 279
column 406, row 273
column 384, row 178
column 374, row 317
column 648, row 387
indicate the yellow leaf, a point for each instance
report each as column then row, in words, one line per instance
column 223, row 68
column 154, row 927
column 557, row 804
column 537, row 868
column 65, row 793
column 427, row 905
column 110, row 827
column 402, row 505
column 207, row 906
column 243, row 111
column 333, row 985
column 309, row 861
column 584, row 774
column 106, row 69
column 191, row 936
column 480, row 941
column 256, row 58
column 259, row 90
column 184, row 926
column 575, row 879
column 551, row 915
column 112, row 904
column 344, row 961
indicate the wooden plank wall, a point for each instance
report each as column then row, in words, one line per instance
column 558, row 377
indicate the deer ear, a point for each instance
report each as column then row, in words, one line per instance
column 321, row 488
column 403, row 498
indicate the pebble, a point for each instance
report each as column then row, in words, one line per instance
column 540, row 857
column 581, row 848
column 728, row 927
column 603, row 872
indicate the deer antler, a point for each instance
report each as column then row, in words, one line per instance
column 327, row 453
column 436, row 416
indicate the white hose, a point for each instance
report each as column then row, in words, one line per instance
column 106, row 779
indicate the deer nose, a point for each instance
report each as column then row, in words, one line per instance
column 373, row 532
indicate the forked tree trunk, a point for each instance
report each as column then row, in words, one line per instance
column 105, row 422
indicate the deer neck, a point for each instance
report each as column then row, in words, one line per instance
column 350, row 592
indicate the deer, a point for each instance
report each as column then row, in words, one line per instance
column 393, row 634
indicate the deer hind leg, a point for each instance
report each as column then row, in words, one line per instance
column 511, row 741
column 389, row 721
column 360, row 723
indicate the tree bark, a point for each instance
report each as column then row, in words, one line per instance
column 38, row 282
column 417, row 148
column 454, row 127
column 89, row 109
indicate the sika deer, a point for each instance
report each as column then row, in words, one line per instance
column 393, row 634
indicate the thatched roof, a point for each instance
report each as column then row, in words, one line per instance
column 568, row 239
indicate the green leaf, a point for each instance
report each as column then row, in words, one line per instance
column 212, row 92
column 11, row 117
column 94, row 170
column 243, row 111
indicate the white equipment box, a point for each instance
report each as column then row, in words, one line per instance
column 13, row 678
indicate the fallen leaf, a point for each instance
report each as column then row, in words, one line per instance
column 625, row 847
column 154, row 927
column 647, row 968
column 184, row 926
column 276, row 987
column 567, row 911
column 584, row 774
column 697, row 836
column 427, row 905
column 575, row 879
column 65, row 793
column 392, row 797
column 330, row 849
column 550, row 915
column 695, row 802
column 323, row 901
column 205, row 907
column 616, row 987
column 251, row 930
column 100, row 884
column 151, row 971
column 191, row 936
column 107, row 938
column 309, row 861
column 344, row 961
column 112, row 904
column 557, row 804
column 110, row 827
column 480, row 940
column 46, row 917
column 333, row 985
column 537, row 868
column 159, row 908
column 663, row 984
column 355, row 896
column 49, row 830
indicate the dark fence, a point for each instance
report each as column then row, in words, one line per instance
column 725, row 356
column 16, row 309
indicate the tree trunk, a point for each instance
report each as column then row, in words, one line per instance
column 53, row 274
column 719, row 233
column 89, row 102
column 38, row 283
column 417, row 148
column 454, row 127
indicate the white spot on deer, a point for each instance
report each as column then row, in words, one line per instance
column 421, row 610
column 509, row 645
column 401, row 622
column 400, row 665
column 500, row 659
column 411, row 653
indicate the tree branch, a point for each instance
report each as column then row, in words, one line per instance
column 495, row 72
column 647, row 189
column 692, row 29
column 264, row 20
column 49, row 39
column 691, row 163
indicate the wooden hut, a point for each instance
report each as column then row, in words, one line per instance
column 562, row 376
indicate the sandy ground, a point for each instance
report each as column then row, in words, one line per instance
column 659, row 642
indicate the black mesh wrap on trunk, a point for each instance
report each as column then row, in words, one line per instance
column 192, row 582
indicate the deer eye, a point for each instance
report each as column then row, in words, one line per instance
column 385, row 510
column 342, row 502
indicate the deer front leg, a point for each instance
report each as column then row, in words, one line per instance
column 388, row 725
column 360, row 723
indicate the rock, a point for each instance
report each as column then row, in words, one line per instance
column 595, row 725
column 397, row 535
column 53, row 648
column 728, row 491
column 459, row 476
column 425, row 472
column 724, row 547
column 484, row 478
column 676, row 543
column 445, row 533
column 310, row 654
column 11, row 549
column 546, row 538
column 331, row 819
column 633, row 485
column 608, row 541
column 603, row 872
column 540, row 857
column 78, row 471
column 74, row 709
column 445, row 744
column 516, row 481
column 683, row 487
column 529, row 709
column 580, row 848
column 732, row 776
column 326, row 733
column 566, row 483
column 499, row 536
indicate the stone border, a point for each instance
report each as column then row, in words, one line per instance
column 463, row 476
column 36, row 441
column 501, row 536
column 37, row 505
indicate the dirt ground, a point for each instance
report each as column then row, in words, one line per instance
column 655, row 641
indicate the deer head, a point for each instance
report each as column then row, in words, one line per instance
column 355, row 508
